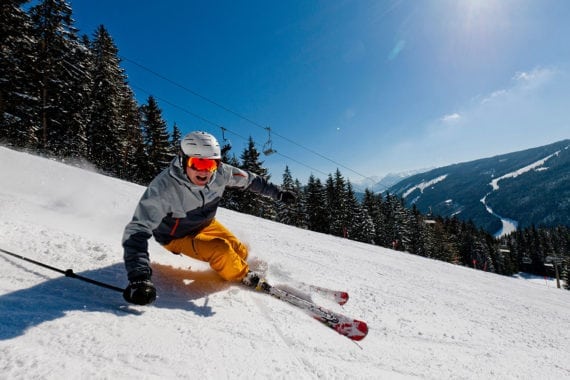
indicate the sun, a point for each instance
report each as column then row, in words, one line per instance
column 482, row 17
column 475, row 31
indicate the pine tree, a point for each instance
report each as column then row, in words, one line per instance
column 78, row 98
column 374, row 204
column 388, row 231
column 19, row 101
column 561, row 248
column 438, row 244
column 359, row 223
column 158, row 146
column 402, row 223
column 233, row 198
column 134, row 159
column 286, row 214
column 420, row 232
column 62, row 78
column 257, row 205
column 453, row 229
column 370, row 202
column 300, row 206
column 429, row 239
column 336, row 201
column 316, row 206
column 412, row 235
column 175, row 138
column 479, row 254
column 537, row 253
column 106, row 126
column 466, row 243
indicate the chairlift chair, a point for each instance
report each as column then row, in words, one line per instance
column 227, row 144
column 268, row 146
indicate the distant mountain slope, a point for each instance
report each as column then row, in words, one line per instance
column 528, row 187
column 377, row 185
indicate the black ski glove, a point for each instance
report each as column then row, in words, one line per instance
column 286, row 196
column 140, row 291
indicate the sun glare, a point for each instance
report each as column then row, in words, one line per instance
column 476, row 29
column 484, row 17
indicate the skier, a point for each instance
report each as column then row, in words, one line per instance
column 179, row 207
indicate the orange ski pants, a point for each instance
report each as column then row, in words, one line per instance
column 217, row 246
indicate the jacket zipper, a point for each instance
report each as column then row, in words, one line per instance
column 173, row 230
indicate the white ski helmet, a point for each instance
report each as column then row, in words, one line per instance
column 200, row 144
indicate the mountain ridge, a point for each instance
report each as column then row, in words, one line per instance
column 380, row 184
column 530, row 187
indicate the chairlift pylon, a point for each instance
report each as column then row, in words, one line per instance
column 268, row 146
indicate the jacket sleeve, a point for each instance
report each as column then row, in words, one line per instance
column 250, row 181
column 150, row 211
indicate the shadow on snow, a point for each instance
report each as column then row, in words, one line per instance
column 52, row 299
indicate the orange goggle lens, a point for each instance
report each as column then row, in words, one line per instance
column 202, row 164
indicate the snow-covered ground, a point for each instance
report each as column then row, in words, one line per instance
column 507, row 225
column 427, row 319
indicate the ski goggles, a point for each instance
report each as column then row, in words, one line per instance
column 202, row 164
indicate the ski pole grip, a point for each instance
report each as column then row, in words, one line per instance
column 69, row 273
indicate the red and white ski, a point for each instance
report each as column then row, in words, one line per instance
column 351, row 328
column 337, row 296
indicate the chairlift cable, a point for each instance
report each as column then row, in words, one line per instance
column 178, row 107
column 233, row 113
column 224, row 128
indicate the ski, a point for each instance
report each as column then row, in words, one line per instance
column 351, row 328
column 337, row 296
column 300, row 288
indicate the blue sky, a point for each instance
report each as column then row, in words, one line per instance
column 369, row 87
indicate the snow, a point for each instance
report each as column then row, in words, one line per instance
column 514, row 174
column 424, row 185
column 541, row 280
column 511, row 225
column 507, row 225
column 427, row 319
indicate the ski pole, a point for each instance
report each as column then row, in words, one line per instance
column 67, row 273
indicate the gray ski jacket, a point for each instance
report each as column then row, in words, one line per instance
column 173, row 207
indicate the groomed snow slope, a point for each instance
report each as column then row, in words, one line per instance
column 427, row 319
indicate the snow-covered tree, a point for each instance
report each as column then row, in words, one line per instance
column 158, row 146
column 62, row 79
column 287, row 214
column 233, row 198
column 316, row 206
column 19, row 100
column 359, row 223
column 258, row 205
column 106, row 126
column 175, row 138
column 336, row 201
column 134, row 159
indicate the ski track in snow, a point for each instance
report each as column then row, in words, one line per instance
column 510, row 225
column 427, row 319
